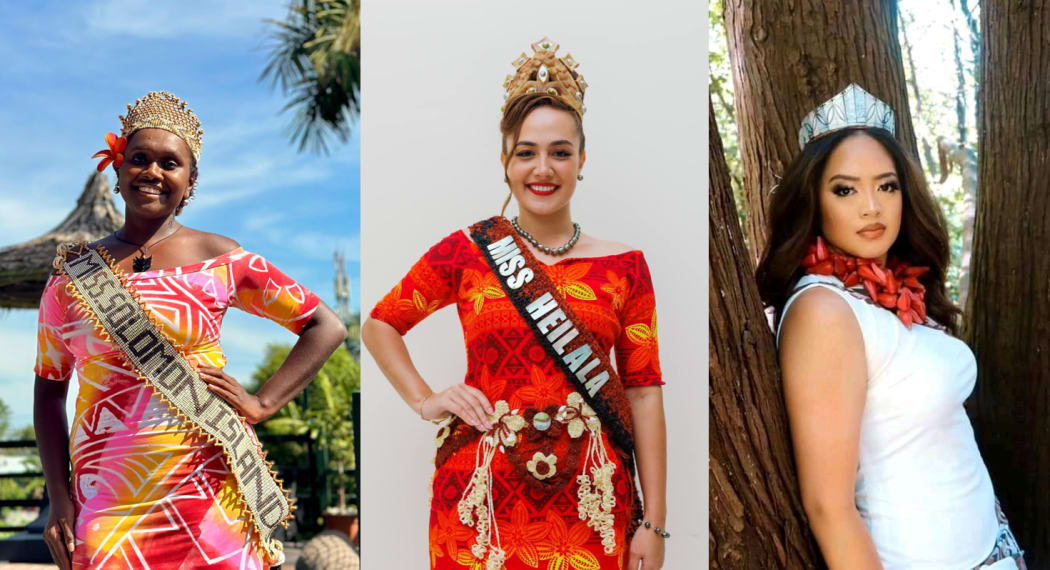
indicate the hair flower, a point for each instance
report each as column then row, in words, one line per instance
column 114, row 154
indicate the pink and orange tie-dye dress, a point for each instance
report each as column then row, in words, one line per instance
column 538, row 522
column 148, row 491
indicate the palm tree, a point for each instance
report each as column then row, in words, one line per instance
column 323, row 411
column 316, row 60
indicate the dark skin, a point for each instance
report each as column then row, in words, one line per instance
column 156, row 177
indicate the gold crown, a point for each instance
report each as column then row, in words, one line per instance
column 545, row 72
column 162, row 110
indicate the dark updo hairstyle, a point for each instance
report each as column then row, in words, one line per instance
column 794, row 223
column 514, row 115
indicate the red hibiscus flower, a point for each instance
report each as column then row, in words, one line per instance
column 115, row 152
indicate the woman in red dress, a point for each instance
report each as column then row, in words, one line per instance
column 526, row 471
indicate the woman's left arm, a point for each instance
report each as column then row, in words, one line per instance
column 317, row 341
column 650, row 448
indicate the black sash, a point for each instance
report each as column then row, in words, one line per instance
column 560, row 332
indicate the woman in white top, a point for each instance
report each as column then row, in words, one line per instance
column 874, row 378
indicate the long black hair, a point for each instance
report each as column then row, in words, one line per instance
column 794, row 222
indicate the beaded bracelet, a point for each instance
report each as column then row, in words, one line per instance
column 659, row 531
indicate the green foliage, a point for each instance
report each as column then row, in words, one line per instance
column 353, row 334
column 315, row 59
column 27, row 432
column 5, row 418
column 322, row 410
column 938, row 39
column 940, row 65
column 722, row 99
column 19, row 487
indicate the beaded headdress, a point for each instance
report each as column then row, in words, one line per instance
column 851, row 107
column 162, row 110
column 545, row 72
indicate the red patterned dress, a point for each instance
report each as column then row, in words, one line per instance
column 533, row 489
column 148, row 491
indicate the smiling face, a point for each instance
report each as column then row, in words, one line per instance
column 542, row 166
column 156, row 175
column 860, row 198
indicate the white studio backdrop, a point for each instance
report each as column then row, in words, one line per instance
column 431, row 93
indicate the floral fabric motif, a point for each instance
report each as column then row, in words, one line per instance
column 143, row 484
column 1006, row 546
column 613, row 296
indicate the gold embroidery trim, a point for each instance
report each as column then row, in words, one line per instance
column 272, row 547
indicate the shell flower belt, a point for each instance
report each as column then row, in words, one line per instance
column 596, row 498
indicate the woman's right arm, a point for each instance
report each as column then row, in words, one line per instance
column 825, row 386
column 388, row 348
column 52, row 436
column 54, row 368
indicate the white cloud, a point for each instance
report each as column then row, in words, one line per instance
column 34, row 201
column 318, row 245
column 257, row 222
column 244, row 339
column 22, row 218
column 243, row 181
column 255, row 158
column 308, row 244
column 249, row 124
column 18, row 337
column 223, row 18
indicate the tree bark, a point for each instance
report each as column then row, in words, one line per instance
column 960, row 90
column 756, row 518
column 1010, row 290
column 788, row 56
column 913, row 82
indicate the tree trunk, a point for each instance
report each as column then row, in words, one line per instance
column 964, row 154
column 788, row 56
column 913, row 82
column 756, row 518
column 960, row 89
column 1010, row 290
column 975, row 40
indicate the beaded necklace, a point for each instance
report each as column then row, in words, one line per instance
column 895, row 286
column 555, row 251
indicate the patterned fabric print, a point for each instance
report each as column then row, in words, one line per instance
column 538, row 524
column 1005, row 544
column 148, row 492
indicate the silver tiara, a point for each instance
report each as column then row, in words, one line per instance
column 851, row 107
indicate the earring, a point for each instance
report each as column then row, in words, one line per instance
column 116, row 188
column 579, row 177
column 186, row 200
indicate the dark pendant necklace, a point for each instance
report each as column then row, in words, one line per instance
column 144, row 261
column 140, row 263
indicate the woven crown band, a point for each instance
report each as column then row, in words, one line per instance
column 545, row 72
column 162, row 110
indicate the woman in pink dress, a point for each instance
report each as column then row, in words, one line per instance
column 148, row 489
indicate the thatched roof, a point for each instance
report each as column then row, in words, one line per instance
column 24, row 267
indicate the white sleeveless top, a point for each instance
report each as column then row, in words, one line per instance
column 922, row 488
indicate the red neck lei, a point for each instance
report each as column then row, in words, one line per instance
column 895, row 287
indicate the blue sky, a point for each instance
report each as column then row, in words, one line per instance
column 70, row 69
